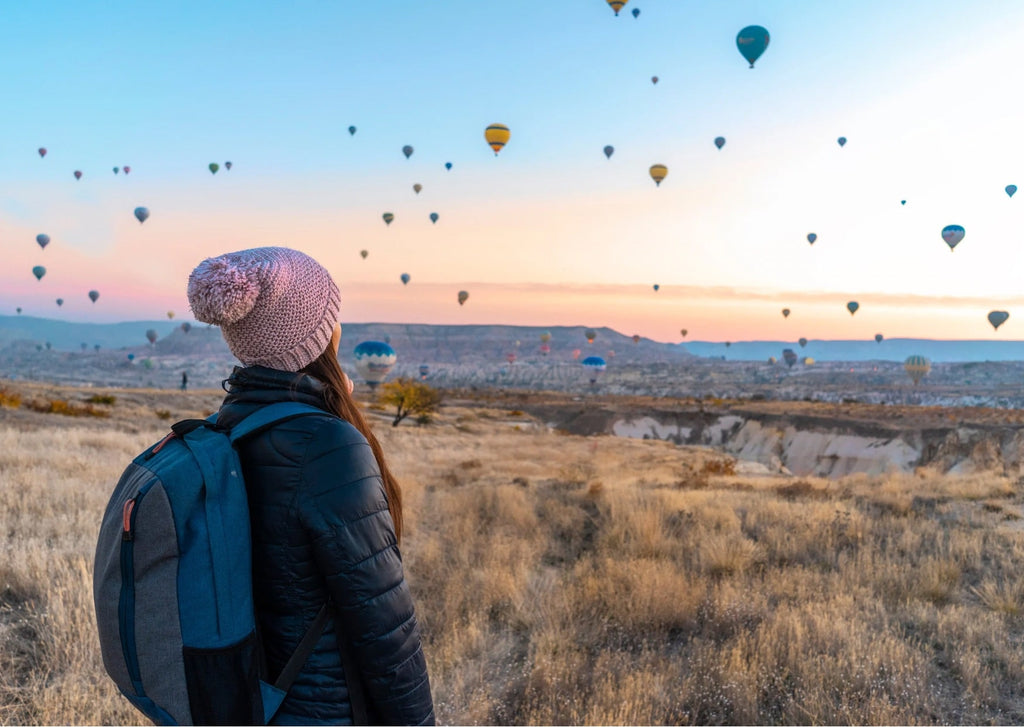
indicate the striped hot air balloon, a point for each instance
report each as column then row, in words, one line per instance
column 658, row 173
column 917, row 367
column 497, row 136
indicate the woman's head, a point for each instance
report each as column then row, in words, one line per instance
column 275, row 306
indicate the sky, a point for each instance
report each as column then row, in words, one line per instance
column 549, row 232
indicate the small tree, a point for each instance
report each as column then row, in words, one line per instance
column 409, row 396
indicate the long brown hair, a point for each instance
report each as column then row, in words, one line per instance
column 328, row 371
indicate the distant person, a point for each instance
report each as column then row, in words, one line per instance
column 326, row 512
column 184, row 380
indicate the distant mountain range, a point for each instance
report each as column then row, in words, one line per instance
column 467, row 343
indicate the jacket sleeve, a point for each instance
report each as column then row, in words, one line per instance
column 354, row 545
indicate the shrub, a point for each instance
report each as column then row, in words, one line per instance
column 66, row 408
column 108, row 399
column 9, row 399
column 163, row 414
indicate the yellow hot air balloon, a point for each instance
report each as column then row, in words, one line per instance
column 658, row 173
column 497, row 136
column 917, row 367
column 617, row 5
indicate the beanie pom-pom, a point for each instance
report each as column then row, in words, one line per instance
column 222, row 292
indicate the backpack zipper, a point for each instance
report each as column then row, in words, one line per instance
column 126, row 606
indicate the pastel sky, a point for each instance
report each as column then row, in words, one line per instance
column 550, row 232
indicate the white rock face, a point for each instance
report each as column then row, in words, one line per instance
column 650, row 428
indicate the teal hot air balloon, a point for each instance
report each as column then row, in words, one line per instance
column 953, row 234
column 448, row 166
column 594, row 366
column 60, row 302
column 351, row 131
column 374, row 361
column 1011, row 189
column 803, row 343
column 227, row 165
column 752, row 42
column 141, row 214
column 719, row 141
column 39, row 271
column 43, row 240
column 789, row 356
column 811, row 238
column 852, row 306
column 636, row 12
column 608, row 151
column 388, row 218
column 434, row 217
column 407, row 150
column 214, row 167
column 785, row 312
column 903, row 202
column 94, row 295
column 998, row 318
column 405, row 278
column 841, row 141
column 878, row 337
column 656, row 287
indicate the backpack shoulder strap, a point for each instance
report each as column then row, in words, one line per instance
column 270, row 415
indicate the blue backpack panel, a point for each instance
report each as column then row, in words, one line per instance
column 173, row 581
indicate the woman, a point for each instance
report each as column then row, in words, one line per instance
column 326, row 511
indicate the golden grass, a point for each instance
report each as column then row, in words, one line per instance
column 573, row 580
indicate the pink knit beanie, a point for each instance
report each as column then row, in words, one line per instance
column 276, row 307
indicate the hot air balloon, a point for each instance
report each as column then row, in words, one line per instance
column 510, row 357
column 998, row 318
column 43, row 240
column 658, row 173
column 141, row 214
column 656, row 287
column 186, row 327
column 789, row 356
column 18, row 310
column 463, row 296
column 213, row 167
column 126, row 168
column 719, row 141
column 545, row 349
column 608, row 151
column 728, row 343
column 841, row 140
column 448, row 166
column 78, row 174
column 545, row 337
column 388, row 217
column 39, row 271
column 917, row 367
column 351, row 131
column 852, row 306
column 497, row 136
column 433, row 217
column 227, row 165
column 131, row 357
column 42, row 152
column 424, row 371
column 878, row 337
column 683, row 332
column 772, row 360
column 802, row 342
column 591, row 334
column 636, row 12
column 94, row 295
column 405, row 278
column 953, row 234
column 407, row 150
column 785, row 312
column 374, row 361
column 1011, row 189
column 903, row 201
column 170, row 315
column 752, row 42
column 575, row 354
column 117, row 169
column 654, row 80
column 151, row 336
column 60, row 302
column 594, row 366
column 364, row 253
column 811, row 237
column 636, row 338
column 416, row 188
column 617, row 5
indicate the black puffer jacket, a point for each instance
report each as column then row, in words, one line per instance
column 321, row 529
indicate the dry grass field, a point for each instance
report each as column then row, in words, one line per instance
column 570, row 580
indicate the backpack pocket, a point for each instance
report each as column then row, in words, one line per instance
column 223, row 683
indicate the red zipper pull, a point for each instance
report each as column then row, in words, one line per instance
column 126, row 516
